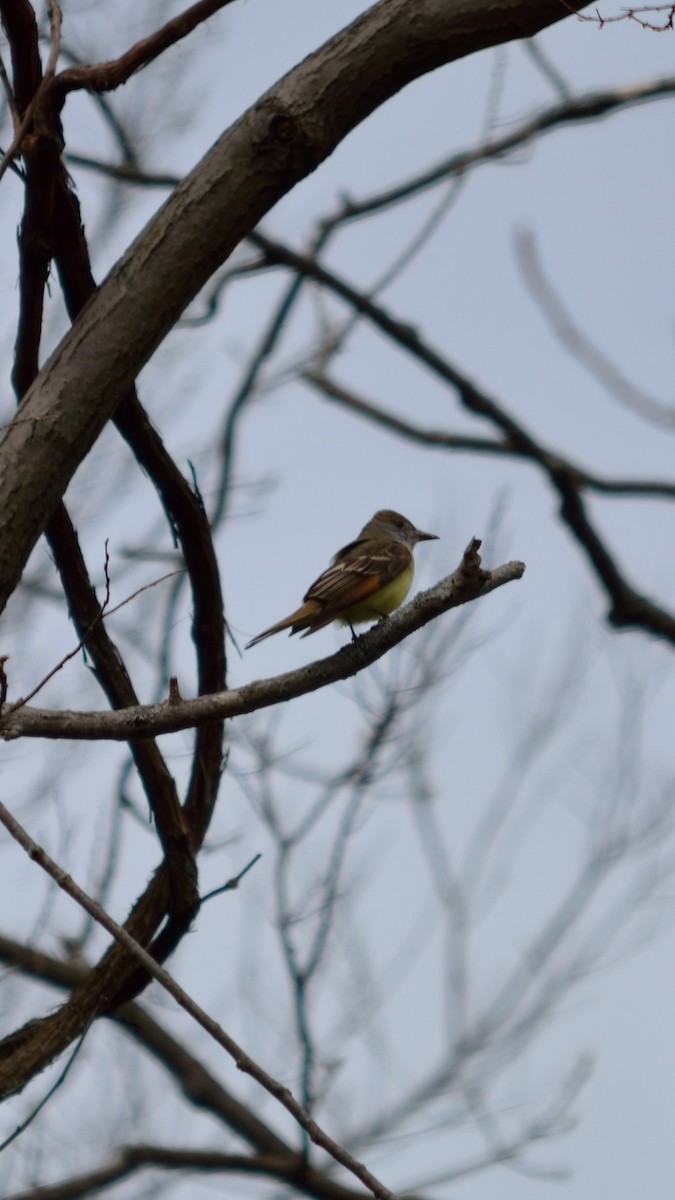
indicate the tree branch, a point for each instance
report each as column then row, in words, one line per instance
column 130, row 1160
column 106, row 76
column 592, row 106
column 441, row 439
column 469, row 582
column 276, row 143
column 242, row 1060
column 628, row 607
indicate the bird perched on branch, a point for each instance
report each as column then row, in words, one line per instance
column 366, row 580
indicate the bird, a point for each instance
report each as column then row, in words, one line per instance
column 366, row 580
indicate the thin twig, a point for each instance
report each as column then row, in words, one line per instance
column 71, row 653
column 106, row 76
column 233, row 883
column 635, row 14
column 47, row 1097
column 9, row 92
column 103, row 615
column 590, row 107
column 15, row 145
column 55, row 19
column 548, row 69
column 243, row 1061
column 575, row 341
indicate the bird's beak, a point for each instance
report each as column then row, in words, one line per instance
column 425, row 537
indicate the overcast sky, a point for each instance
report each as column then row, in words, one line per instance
column 598, row 199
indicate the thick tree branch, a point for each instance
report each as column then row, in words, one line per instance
column 18, row 19
column 52, row 229
column 279, row 141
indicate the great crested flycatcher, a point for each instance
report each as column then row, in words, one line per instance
column 366, row 580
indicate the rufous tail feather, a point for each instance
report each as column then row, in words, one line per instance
column 301, row 619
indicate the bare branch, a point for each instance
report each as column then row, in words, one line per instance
column 243, row 1061
column 575, row 341
column 293, row 128
column 444, row 440
column 637, row 14
column 196, row 1081
column 549, row 71
column 35, row 1112
column 55, row 21
column 469, row 582
column 629, row 608
column 589, row 107
column 129, row 1161
column 104, row 77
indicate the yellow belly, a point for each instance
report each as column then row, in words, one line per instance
column 381, row 603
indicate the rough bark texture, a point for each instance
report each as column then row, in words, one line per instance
column 278, row 142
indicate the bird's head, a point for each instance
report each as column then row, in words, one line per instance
column 389, row 524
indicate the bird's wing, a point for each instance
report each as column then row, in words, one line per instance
column 360, row 574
